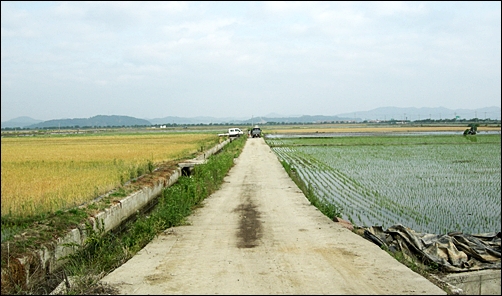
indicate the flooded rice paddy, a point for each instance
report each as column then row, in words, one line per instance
column 431, row 182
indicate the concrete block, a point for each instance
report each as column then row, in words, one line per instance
column 66, row 246
column 482, row 282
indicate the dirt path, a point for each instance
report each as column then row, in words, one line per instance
column 259, row 235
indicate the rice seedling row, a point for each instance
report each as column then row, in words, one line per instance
column 432, row 184
column 333, row 187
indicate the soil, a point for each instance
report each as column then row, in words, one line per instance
column 259, row 234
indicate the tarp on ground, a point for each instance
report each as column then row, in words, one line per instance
column 453, row 252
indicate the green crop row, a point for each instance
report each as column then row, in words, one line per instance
column 432, row 184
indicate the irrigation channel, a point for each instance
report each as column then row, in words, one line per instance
column 432, row 182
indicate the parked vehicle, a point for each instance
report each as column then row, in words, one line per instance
column 235, row 132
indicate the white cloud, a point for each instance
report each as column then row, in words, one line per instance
column 209, row 53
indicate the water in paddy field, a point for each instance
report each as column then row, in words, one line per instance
column 430, row 188
column 329, row 135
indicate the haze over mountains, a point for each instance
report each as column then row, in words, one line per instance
column 383, row 113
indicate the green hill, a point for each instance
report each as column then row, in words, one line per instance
column 96, row 121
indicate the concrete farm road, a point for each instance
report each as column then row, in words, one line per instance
column 259, row 234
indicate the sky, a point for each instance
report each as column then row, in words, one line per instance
column 243, row 59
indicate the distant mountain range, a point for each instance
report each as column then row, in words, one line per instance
column 96, row 121
column 384, row 113
column 20, row 122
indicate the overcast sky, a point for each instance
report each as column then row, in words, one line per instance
column 242, row 59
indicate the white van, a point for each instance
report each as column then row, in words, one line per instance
column 235, row 132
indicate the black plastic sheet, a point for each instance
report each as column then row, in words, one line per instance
column 453, row 252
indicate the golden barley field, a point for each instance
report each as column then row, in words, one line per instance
column 46, row 174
